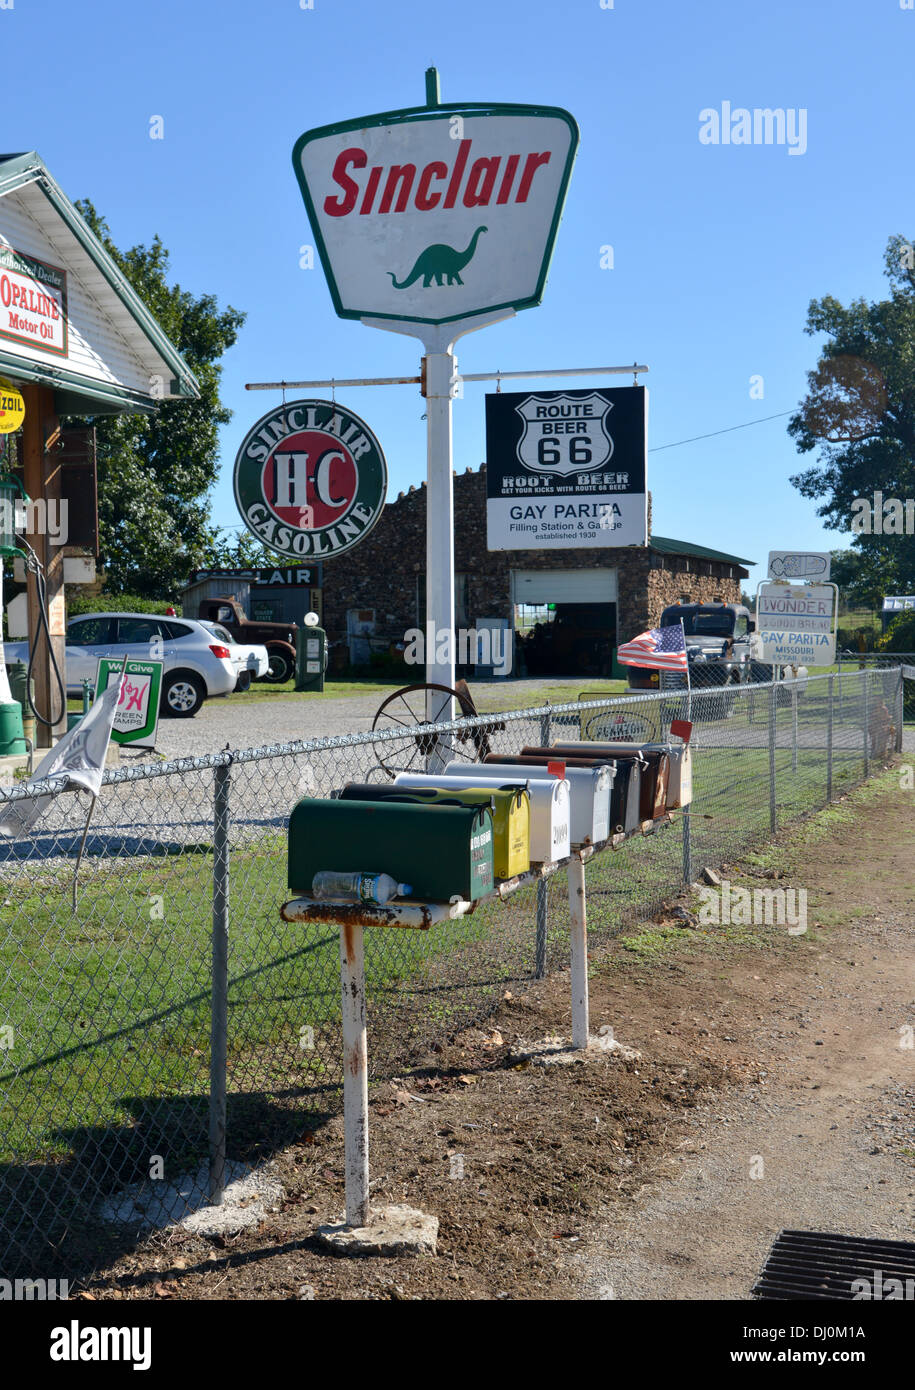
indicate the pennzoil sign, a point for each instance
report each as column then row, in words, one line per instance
column 310, row 479
column 432, row 214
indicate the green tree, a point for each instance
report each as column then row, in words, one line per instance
column 155, row 471
column 860, row 585
column 900, row 635
column 859, row 412
column 228, row 548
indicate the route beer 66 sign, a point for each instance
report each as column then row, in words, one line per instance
column 566, row 469
column 310, row 479
column 437, row 213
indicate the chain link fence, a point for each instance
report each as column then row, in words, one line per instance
column 173, row 983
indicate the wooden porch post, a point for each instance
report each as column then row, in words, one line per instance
column 42, row 481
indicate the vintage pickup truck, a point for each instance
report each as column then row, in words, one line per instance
column 719, row 649
column 278, row 638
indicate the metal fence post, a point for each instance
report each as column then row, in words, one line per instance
column 542, row 909
column 773, row 698
column 219, row 985
column 866, row 726
column 794, row 724
column 687, row 848
column 829, row 717
column 900, row 707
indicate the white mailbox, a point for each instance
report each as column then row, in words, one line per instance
column 590, row 789
column 550, row 803
column 680, row 783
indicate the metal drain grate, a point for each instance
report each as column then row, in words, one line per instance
column 819, row 1264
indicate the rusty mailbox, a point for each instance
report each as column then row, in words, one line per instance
column 680, row 779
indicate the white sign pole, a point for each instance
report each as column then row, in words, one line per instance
column 440, row 527
column 440, row 368
column 440, row 377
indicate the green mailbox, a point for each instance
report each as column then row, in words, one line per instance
column 443, row 852
column 511, row 815
column 310, row 655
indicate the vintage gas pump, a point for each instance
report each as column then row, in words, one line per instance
column 310, row 655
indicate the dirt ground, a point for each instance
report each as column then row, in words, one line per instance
column 775, row 1089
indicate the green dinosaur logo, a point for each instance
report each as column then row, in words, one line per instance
column 438, row 261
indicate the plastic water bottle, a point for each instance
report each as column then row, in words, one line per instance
column 357, row 888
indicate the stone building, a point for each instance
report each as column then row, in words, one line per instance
column 569, row 609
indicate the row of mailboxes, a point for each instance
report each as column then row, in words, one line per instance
column 664, row 771
column 510, row 808
column 550, row 809
column 679, row 757
column 453, row 834
column 443, row 854
column 652, row 779
column 589, row 790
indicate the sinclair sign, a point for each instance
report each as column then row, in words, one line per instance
column 433, row 214
column 310, row 479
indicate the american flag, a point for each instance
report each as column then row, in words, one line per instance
column 661, row 649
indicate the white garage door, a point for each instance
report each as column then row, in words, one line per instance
column 564, row 586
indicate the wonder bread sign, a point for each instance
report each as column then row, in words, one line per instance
column 437, row 213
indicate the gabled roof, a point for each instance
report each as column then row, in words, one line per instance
column 668, row 547
column 116, row 299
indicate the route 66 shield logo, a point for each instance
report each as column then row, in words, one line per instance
column 564, row 433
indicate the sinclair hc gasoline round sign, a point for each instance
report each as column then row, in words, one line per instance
column 310, row 479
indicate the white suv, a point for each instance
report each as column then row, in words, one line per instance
column 195, row 665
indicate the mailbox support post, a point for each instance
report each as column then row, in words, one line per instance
column 542, row 897
column 355, row 1074
column 579, row 934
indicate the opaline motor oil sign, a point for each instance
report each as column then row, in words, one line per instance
column 310, row 479
column 33, row 302
column 431, row 214
column 566, row 469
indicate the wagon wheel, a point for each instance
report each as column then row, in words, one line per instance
column 406, row 708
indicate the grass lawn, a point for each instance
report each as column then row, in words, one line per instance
column 110, row 1007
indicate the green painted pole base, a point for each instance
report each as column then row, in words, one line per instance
column 12, row 738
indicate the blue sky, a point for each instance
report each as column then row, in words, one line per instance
column 717, row 249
